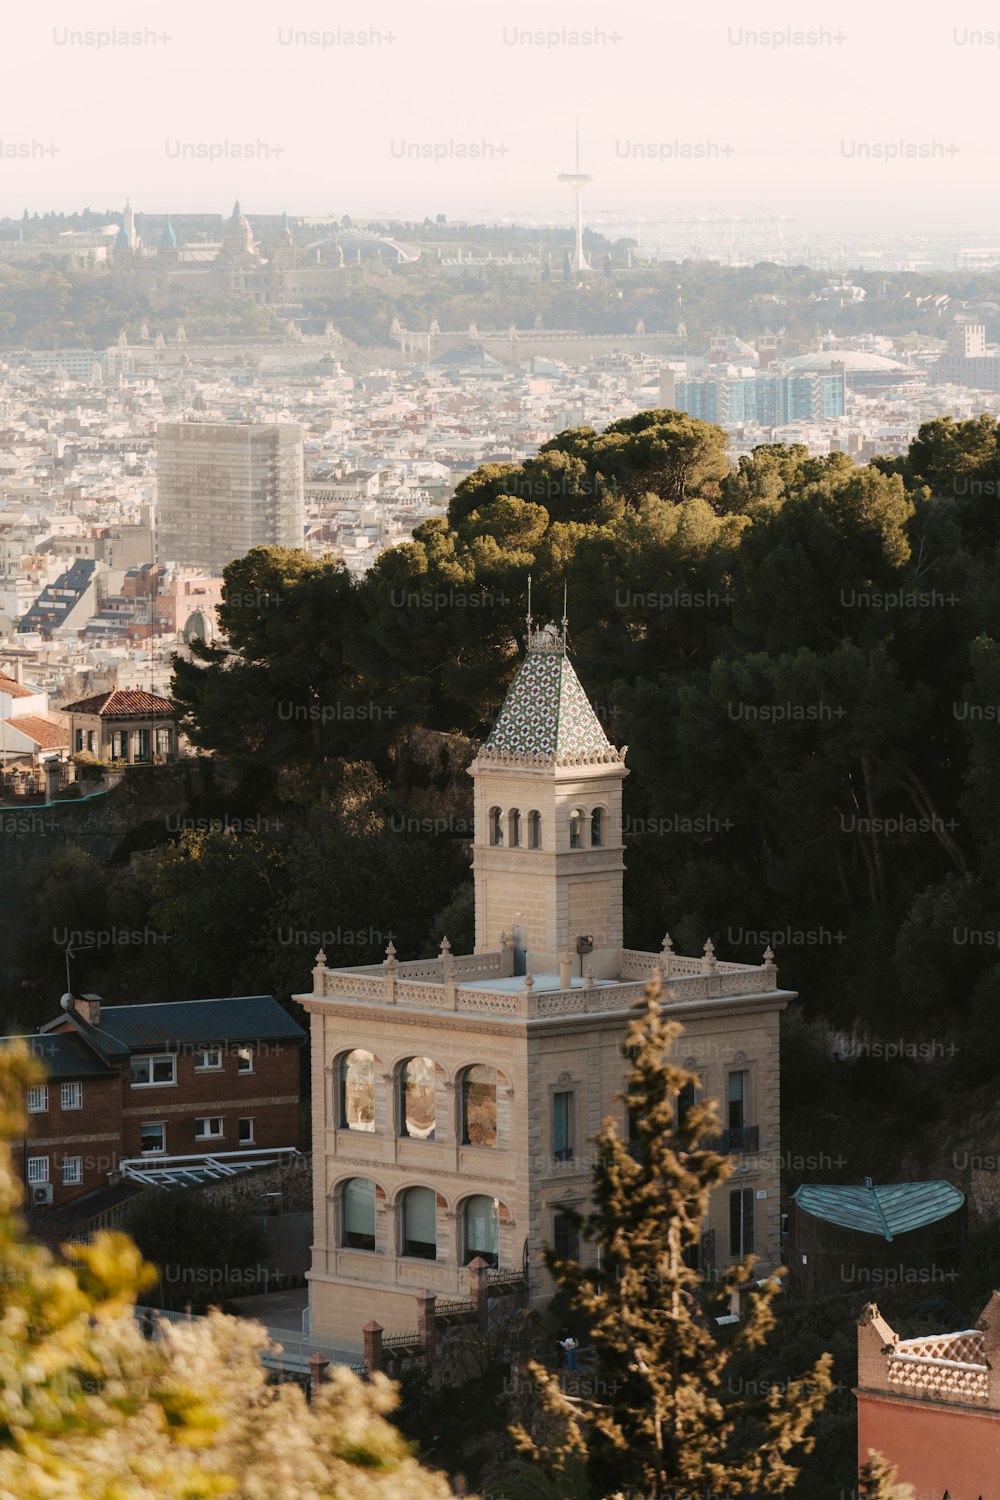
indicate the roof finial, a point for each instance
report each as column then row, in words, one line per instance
column 529, row 621
column 565, row 617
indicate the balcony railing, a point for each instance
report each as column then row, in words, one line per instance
column 736, row 1141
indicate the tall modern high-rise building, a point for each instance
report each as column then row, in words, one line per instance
column 225, row 487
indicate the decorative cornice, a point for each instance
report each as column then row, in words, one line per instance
column 492, row 755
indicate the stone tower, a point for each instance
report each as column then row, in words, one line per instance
column 548, row 855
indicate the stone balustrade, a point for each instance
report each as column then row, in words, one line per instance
column 437, row 984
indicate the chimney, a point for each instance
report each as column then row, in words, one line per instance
column 88, row 1008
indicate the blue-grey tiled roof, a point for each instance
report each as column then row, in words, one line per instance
column 64, row 1055
column 240, row 1019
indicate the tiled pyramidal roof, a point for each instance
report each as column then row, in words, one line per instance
column 547, row 716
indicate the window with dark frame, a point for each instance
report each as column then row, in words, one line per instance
column 565, row 1236
column 741, row 1213
column 562, row 1125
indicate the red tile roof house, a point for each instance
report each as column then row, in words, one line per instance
column 27, row 734
column 126, row 725
column 133, row 1088
column 931, row 1405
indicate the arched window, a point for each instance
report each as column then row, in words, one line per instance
column 481, row 1229
column 597, row 827
column 479, row 1106
column 575, row 828
column 417, row 1098
column 357, row 1090
column 514, row 828
column 496, row 826
column 357, row 1206
column 534, row 830
column 419, row 1223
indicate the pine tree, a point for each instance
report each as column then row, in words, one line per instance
column 91, row 1410
column 660, row 1423
column 877, row 1481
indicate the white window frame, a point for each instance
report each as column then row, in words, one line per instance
column 152, row 1058
column 76, row 1163
column 209, row 1135
column 246, row 1140
column 71, row 1096
column 201, row 1053
column 247, row 1052
column 159, row 1125
column 38, row 1091
column 38, row 1170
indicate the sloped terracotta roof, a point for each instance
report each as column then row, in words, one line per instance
column 46, row 734
column 121, row 703
column 13, row 687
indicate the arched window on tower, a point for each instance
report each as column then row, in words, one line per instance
column 597, row 827
column 417, row 1098
column 534, row 830
column 496, row 826
column 513, row 828
column 357, row 1207
column 576, row 828
column 357, row 1090
column 418, row 1234
column 481, row 1229
column 479, row 1106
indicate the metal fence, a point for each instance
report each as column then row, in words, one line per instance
column 289, row 1351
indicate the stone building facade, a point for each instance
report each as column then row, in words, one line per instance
column 456, row 1099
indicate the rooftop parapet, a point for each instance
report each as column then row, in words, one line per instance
column 483, row 983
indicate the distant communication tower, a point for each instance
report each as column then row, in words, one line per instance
column 579, row 181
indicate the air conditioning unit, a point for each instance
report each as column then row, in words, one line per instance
column 41, row 1193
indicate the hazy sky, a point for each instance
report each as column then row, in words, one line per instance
column 728, row 125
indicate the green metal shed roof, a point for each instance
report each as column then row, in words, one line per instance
column 885, row 1209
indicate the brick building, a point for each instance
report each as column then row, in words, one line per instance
column 455, row 1100
column 931, row 1405
column 132, row 1087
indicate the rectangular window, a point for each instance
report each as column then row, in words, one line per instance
column 72, row 1171
column 163, row 742
column 78, row 740
column 207, row 1059
column 150, row 1072
column 38, row 1099
column 208, row 1129
column 153, row 1138
column 566, row 1237
column 686, row 1101
column 736, row 1106
column 90, row 740
column 741, row 1222
column 359, row 1214
column 246, row 1133
column 71, row 1096
column 244, row 1060
column 562, row 1126
column 38, row 1169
